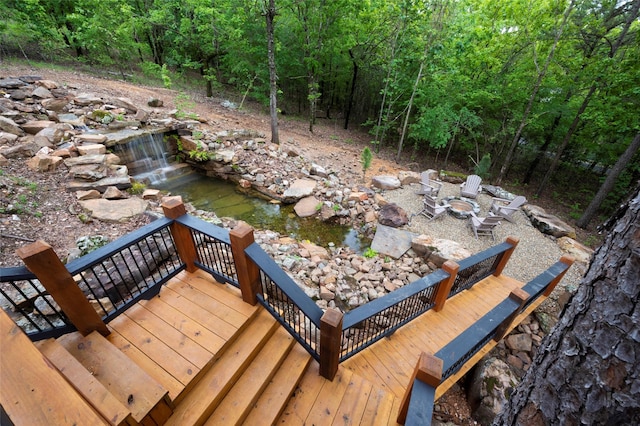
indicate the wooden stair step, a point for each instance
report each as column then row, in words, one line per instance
column 202, row 400
column 245, row 392
column 85, row 383
column 274, row 398
column 133, row 387
column 32, row 390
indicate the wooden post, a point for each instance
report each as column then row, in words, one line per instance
column 330, row 342
column 54, row 276
column 520, row 296
column 248, row 273
column 186, row 247
column 567, row 260
column 428, row 369
column 506, row 255
column 445, row 286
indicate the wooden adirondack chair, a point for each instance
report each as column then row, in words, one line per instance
column 484, row 225
column 431, row 209
column 506, row 208
column 471, row 187
column 428, row 186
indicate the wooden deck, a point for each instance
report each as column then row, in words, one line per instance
column 222, row 361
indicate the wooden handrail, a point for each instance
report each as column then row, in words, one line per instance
column 173, row 208
column 330, row 342
column 444, row 289
column 506, row 255
column 428, row 370
column 40, row 259
column 520, row 297
column 567, row 260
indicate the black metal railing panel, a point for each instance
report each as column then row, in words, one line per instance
column 213, row 247
column 134, row 267
column 460, row 350
column 30, row 306
column 287, row 302
column 478, row 267
column 371, row 322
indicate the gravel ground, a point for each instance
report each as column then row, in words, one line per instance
column 535, row 251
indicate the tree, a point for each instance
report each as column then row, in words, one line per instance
column 587, row 370
column 270, row 14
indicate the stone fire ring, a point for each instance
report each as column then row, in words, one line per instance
column 461, row 207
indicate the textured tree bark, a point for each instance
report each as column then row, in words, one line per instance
column 587, row 370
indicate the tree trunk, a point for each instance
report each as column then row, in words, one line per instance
column 609, row 182
column 507, row 161
column 354, row 77
column 273, row 77
column 587, row 370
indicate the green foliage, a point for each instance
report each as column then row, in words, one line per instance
column 365, row 159
column 483, row 167
column 137, row 188
column 319, row 206
column 337, row 207
column 370, row 253
column 185, row 106
column 166, row 78
column 88, row 244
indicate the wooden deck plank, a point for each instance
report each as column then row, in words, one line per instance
column 87, row 385
column 211, row 304
column 167, row 381
column 170, row 360
column 239, row 400
column 183, row 323
column 173, row 338
column 272, row 402
column 392, row 382
column 354, row 402
column 198, row 314
column 361, row 366
column 32, row 390
column 324, row 409
column 204, row 282
column 378, row 409
column 305, row 395
column 210, row 390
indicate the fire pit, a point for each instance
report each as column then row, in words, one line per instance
column 461, row 207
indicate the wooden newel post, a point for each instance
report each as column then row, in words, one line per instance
column 54, row 276
column 567, row 260
column 519, row 296
column 330, row 342
column 506, row 255
column 248, row 273
column 445, row 286
column 173, row 209
column 428, row 370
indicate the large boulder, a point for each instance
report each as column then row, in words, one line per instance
column 306, row 207
column 492, row 385
column 407, row 177
column 300, row 188
column 9, row 126
column 438, row 250
column 548, row 223
column 115, row 210
column 393, row 215
column 581, row 253
column 386, row 182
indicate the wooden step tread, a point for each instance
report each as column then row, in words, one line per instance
column 132, row 386
column 271, row 403
column 245, row 392
column 32, row 390
column 198, row 405
column 85, row 383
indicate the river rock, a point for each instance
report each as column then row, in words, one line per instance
column 11, row 83
column 393, row 215
column 7, row 138
column 493, row 382
column 55, row 104
column 48, row 136
column 386, row 182
column 548, row 223
column 306, row 207
column 41, row 92
column 314, row 250
column 33, row 127
column 124, row 103
column 91, row 138
column 300, row 188
column 44, row 162
column 115, row 210
column 113, row 193
column 519, row 342
column 92, row 149
column 88, row 195
column 10, row 126
column 122, row 182
column 580, row 252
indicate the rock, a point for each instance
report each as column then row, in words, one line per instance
column 391, row 242
column 151, row 194
column 89, row 172
column 85, row 159
column 92, row 149
column 407, row 177
column 300, row 188
column 393, row 215
column 580, row 252
column 307, row 207
column 225, row 155
column 318, row 170
column 386, row 182
column 42, row 93
column 33, row 127
column 44, row 163
column 55, row 104
column 113, row 193
column 91, row 138
column 492, row 385
column 115, row 210
column 315, row 250
column 9, row 126
column 155, row 102
column 47, row 84
column 548, row 223
column 3, row 160
column 122, row 182
column 519, row 342
column 7, row 138
column 86, row 99
column 545, row 320
column 124, row 103
column 11, row 83
column 49, row 136
column 438, row 250
column 370, row 216
column 92, row 194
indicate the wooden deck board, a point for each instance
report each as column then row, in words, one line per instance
column 354, row 402
column 324, row 409
column 305, row 395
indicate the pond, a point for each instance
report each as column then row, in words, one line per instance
column 225, row 200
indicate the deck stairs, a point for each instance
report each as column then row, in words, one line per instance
column 197, row 354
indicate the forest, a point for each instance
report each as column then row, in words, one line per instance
column 542, row 93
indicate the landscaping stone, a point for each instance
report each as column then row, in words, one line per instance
column 492, row 384
column 307, row 206
column 392, row 215
column 300, row 188
column 386, row 182
column 548, row 223
column 114, row 210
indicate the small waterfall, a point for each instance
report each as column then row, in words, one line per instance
column 146, row 158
